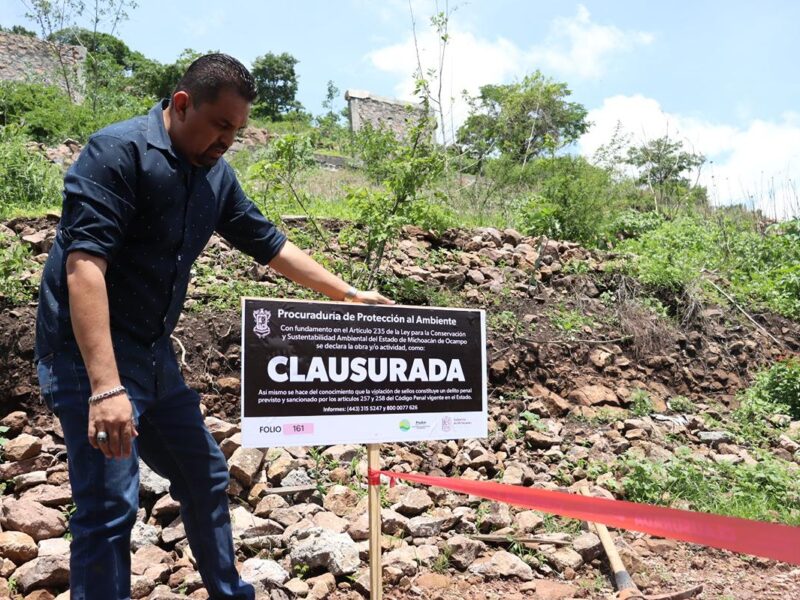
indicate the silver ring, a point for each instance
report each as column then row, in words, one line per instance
column 101, row 437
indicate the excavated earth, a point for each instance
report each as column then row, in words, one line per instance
column 577, row 375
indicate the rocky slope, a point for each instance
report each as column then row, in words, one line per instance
column 573, row 348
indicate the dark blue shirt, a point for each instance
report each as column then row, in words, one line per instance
column 132, row 200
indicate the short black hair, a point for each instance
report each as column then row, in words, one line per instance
column 207, row 76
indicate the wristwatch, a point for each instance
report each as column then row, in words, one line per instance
column 350, row 294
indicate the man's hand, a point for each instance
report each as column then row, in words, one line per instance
column 114, row 416
column 371, row 297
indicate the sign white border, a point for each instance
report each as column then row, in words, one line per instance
column 368, row 428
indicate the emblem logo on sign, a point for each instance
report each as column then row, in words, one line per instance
column 405, row 425
column 261, row 328
column 447, row 423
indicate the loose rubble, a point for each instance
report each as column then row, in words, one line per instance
column 576, row 388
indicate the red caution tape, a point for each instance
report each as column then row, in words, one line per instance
column 759, row 538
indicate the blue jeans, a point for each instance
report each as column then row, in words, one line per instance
column 175, row 443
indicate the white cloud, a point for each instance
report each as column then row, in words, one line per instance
column 200, row 26
column 577, row 47
column 758, row 164
column 470, row 62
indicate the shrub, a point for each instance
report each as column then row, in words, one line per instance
column 780, row 385
column 15, row 261
column 575, row 199
column 763, row 491
column 46, row 114
column 28, row 181
column 632, row 224
column 761, row 269
column 775, row 391
column 641, row 404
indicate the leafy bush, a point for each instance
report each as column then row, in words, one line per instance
column 15, row 261
column 641, row 403
column 632, row 224
column 540, row 217
column 762, row 269
column 775, row 391
column 781, row 383
column 575, row 199
column 46, row 114
column 767, row 490
column 28, row 181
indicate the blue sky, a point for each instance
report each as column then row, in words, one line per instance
column 719, row 75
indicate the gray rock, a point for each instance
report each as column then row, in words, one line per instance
column 425, row 526
column 464, row 550
column 714, row 437
column 257, row 570
column 498, row 516
column 243, row 520
column 29, row 480
column 318, row 548
column 296, row 477
column 588, row 545
column 150, row 482
column 501, row 564
column 298, row 587
column 342, row 453
column 414, row 502
column 564, row 557
column 280, row 463
column 143, row 535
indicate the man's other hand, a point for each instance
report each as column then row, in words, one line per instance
column 114, row 416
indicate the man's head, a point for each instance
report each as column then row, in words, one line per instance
column 209, row 105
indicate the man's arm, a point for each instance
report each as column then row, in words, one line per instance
column 298, row 266
column 88, row 301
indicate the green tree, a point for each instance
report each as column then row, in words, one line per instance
column 663, row 167
column 522, row 120
column 276, row 81
column 159, row 80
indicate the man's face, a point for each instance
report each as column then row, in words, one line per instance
column 204, row 133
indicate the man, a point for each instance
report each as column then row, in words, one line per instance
column 139, row 206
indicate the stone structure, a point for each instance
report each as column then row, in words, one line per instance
column 31, row 60
column 395, row 115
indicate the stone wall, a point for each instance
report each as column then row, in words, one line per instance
column 381, row 112
column 31, row 60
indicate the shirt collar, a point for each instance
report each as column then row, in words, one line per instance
column 156, row 132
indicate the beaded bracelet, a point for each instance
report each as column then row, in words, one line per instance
column 107, row 394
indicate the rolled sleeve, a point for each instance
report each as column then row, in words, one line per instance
column 99, row 200
column 243, row 225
